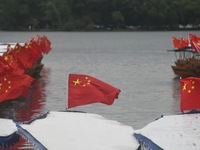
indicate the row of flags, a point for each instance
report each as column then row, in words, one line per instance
column 193, row 42
column 14, row 63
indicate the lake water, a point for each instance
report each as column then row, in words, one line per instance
column 135, row 62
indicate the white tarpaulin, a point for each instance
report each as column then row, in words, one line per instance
column 80, row 131
column 7, row 127
column 175, row 132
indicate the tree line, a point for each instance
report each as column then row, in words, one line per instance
column 70, row 15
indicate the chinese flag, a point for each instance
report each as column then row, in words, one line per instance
column 193, row 37
column 184, row 42
column 35, row 49
column 22, row 54
column 190, row 93
column 195, row 42
column 84, row 89
column 13, row 62
column 45, row 44
column 5, row 68
column 13, row 86
column 176, row 42
column 195, row 45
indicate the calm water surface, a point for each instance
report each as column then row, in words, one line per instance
column 135, row 62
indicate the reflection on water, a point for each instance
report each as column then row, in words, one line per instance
column 176, row 88
column 176, row 94
column 22, row 109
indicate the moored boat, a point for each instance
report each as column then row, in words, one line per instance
column 187, row 63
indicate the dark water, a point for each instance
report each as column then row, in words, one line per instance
column 135, row 62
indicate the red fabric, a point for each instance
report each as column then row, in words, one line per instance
column 5, row 68
column 35, row 48
column 195, row 42
column 13, row 62
column 190, row 91
column 193, row 37
column 24, row 55
column 176, row 42
column 184, row 42
column 13, row 86
column 84, row 89
column 195, row 45
column 45, row 44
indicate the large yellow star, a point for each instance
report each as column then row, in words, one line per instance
column 77, row 81
column 6, row 58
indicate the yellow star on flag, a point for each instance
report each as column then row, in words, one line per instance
column 192, row 87
column 184, row 86
column 77, row 81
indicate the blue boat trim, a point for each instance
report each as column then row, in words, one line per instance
column 146, row 142
column 38, row 117
column 6, row 141
column 30, row 138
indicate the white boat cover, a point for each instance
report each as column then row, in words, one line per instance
column 7, row 127
column 8, row 132
column 78, row 131
column 175, row 132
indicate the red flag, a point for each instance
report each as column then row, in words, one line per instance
column 24, row 56
column 176, row 42
column 184, row 42
column 13, row 62
column 5, row 68
column 195, row 42
column 190, row 93
column 13, row 86
column 194, row 37
column 45, row 44
column 35, row 49
column 195, row 45
column 84, row 89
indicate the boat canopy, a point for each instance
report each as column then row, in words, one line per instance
column 171, row 133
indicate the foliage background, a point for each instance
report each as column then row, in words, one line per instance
column 69, row 15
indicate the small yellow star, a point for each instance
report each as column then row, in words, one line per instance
column 184, row 86
column 88, row 82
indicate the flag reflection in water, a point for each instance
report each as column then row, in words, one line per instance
column 21, row 109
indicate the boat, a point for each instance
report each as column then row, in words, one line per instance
column 64, row 129
column 187, row 54
column 171, row 132
column 186, row 65
column 93, row 131
column 35, row 69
